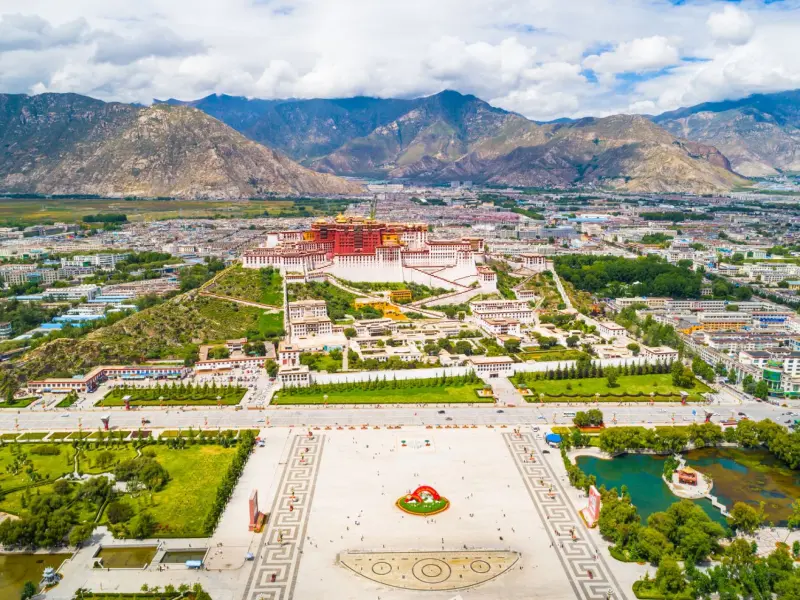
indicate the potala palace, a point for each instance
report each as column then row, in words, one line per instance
column 363, row 249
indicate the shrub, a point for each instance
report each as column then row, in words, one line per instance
column 46, row 450
column 119, row 512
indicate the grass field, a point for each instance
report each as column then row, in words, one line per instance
column 552, row 355
column 88, row 458
column 422, row 395
column 19, row 402
column 627, row 389
column 181, row 507
column 47, row 467
column 271, row 324
column 143, row 397
column 252, row 285
column 30, row 211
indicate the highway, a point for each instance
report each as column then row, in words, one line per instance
column 409, row 415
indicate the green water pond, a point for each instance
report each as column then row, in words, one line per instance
column 739, row 475
column 16, row 569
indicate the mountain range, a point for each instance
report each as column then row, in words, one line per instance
column 229, row 147
column 72, row 144
column 454, row 136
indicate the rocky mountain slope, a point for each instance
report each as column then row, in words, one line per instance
column 70, row 144
column 760, row 134
column 622, row 152
column 303, row 129
column 454, row 136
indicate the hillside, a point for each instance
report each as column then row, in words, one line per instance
column 622, row 152
column 444, row 127
column 302, row 129
column 760, row 134
column 167, row 329
column 454, row 136
column 69, row 144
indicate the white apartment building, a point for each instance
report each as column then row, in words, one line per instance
column 100, row 261
column 518, row 310
column 304, row 309
column 310, row 326
column 653, row 303
column 609, row 329
column 499, row 327
column 497, row 366
column 534, row 262
column 299, row 376
column 76, row 292
column 288, row 356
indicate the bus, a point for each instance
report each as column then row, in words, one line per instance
column 569, row 413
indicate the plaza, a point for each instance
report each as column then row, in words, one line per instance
column 335, row 532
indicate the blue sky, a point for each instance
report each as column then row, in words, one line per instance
column 542, row 58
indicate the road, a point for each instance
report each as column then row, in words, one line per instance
column 227, row 417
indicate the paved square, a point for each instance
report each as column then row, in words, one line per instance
column 345, row 494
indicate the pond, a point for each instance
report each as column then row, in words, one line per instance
column 642, row 474
column 126, row 557
column 16, row 569
column 749, row 475
column 179, row 557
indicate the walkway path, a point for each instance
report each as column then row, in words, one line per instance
column 577, row 557
column 282, row 545
column 266, row 307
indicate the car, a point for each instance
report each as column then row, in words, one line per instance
column 441, row 412
column 64, row 414
column 501, row 411
column 545, row 451
column 449, row 419
column 536, row 429
column 741, row 414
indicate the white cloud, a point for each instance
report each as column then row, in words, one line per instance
column 731, row 25
column 531, row 57
column 637, row 56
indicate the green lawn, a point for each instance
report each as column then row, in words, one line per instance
column 195, row 472
column 421, row 395
column 628, row 388
column 264, row 286
column 552, row 355
column 271, row 324
column 197, row 397
column 88, row 458
column 48, row 467
column 33, row 435
column 19, row 402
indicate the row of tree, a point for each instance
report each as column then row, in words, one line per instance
column 586, row 369
column 226, row 487
column 384, row 384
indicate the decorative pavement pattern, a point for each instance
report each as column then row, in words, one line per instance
column 430, row 571
column 282, row 545
column 577, row 557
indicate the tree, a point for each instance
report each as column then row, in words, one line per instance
column 612, row 374
column 272, row 368
column 350, row 332
column 80, row 533
column 572, row 341
column 761, row 390
column 28, row 590
column 743, row 293
column 794, row 518
column 746, row 518
column 635, row 348
column 652, row 545
column 143, row 526
column 512, row 345
column 118, row 512
column 669, row 576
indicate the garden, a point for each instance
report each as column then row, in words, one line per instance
column 439, row 390
column 182, row 394
column 176, row 487
column 587, row 381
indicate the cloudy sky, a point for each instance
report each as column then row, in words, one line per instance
column 542, row 58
